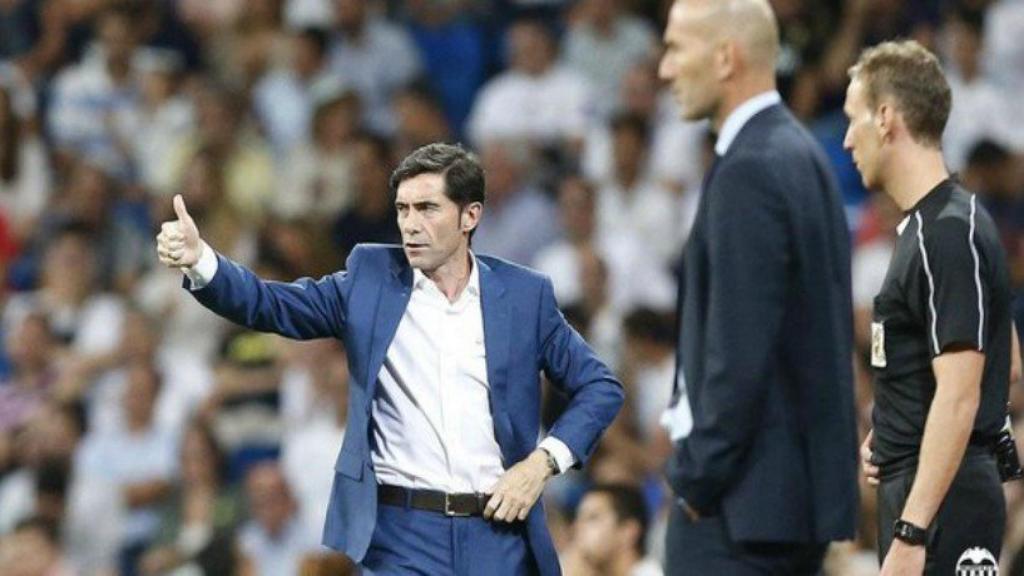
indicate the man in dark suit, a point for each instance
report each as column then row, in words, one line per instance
column 764, row 465
column 440, row 467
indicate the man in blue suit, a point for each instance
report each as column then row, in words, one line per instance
column 440, row 469
column 765, row 465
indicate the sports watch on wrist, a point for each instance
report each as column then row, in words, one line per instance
column 909, row 533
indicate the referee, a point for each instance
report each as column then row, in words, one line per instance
column 941, row 332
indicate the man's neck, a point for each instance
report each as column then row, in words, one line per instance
column 452, row 277
column 621, row 565
column 915, row 171
column 737, row 94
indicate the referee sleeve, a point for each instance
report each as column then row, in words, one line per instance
column 954, row 288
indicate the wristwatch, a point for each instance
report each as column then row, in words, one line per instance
column 909, row 533
column 552, row 463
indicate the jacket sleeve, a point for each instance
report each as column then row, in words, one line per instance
column 303, row 309
column 748, row 252
column 595, row 395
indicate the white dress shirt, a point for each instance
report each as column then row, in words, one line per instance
column 740, row 116
column 431, row 417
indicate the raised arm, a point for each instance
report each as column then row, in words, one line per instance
column 303, row 309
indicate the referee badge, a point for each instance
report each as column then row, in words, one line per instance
column 878, row 345
column 977, row 562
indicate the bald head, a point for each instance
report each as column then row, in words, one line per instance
column 751, row 24
column 718, row 53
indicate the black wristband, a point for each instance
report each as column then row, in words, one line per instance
column 909, row 533
column 552, row 461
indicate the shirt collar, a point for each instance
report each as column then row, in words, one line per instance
column 740, row 116
column 420, row 280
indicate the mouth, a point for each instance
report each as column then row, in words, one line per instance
column 415, row 246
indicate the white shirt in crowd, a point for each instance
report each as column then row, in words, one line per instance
column 546, row 108
column 432, row 425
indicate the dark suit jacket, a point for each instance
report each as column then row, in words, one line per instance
column 524, row 333
column 765, row 343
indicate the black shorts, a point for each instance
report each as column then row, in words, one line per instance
column 973, row 515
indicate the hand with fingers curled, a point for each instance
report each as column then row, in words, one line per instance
column 178, row 244
column 866, row 453
column 518, row 489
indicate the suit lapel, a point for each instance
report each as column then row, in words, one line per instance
column 391, row 304
column 495, row 309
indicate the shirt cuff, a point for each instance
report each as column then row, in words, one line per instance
column 205, row 269
column 563, row 456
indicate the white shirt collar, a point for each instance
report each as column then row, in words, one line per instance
column 740, row 116
column 419, row 279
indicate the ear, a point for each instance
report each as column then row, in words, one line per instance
column 726, row 58
column 885, row 121
column 470, row 216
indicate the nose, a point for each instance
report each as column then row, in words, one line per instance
column 409, row 224
column 664, row 71
column 847, row 141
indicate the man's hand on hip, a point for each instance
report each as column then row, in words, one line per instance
column 518, row 489
column 178, row 244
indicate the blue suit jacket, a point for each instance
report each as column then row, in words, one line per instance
column 524, row 333
column 766, row 341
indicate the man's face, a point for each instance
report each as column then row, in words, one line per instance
column 862, row 140
column 596, row 530
column 688, row 63
column 118, row 40
column 434, row 230
column 269, row 498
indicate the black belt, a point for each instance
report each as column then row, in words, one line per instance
column 433, row 500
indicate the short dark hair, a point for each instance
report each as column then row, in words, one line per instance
column 318, row 37
column 631, row 122
column 987, row 153
column 463, row 175
column 628, row 504
column 912, row 76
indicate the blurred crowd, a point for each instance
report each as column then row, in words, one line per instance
column 140, row 434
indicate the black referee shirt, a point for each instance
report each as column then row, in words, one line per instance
column 947, row 287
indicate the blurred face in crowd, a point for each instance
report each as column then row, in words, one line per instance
column 690, row 62
column 640, row 90
column 965, row 43
column 371, row 174
column 50, row 433
column 577, row 207
column 28, row 552
column 269, row 497
column 306, row 56
column 68, row 266
column 118, row 39
column 30, row 345
column 503, row 162
column 600, row 535
column 337, row 121
column 863, row 136
column 435, row 231
column 140, row 395
column 531, row 49
column 628, row 152
column 601, row 12
column 88, row 193
column 202, row 185
column 350, row 14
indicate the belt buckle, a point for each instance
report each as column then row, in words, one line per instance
column 448, row 511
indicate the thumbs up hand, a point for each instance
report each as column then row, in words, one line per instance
column 178, row 244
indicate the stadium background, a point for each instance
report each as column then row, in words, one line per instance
column 131, row 419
